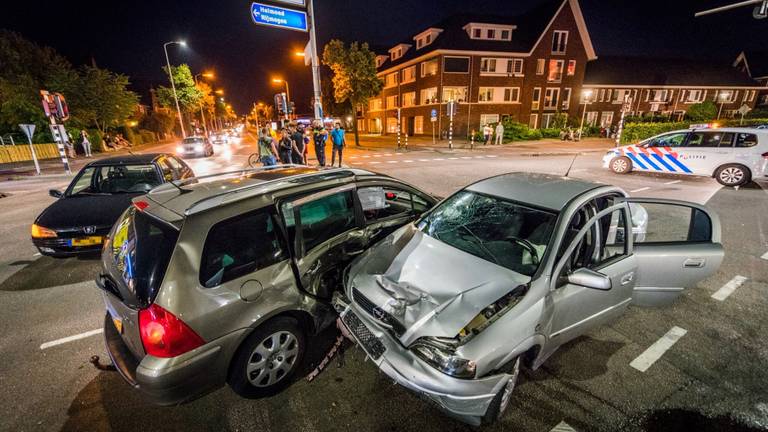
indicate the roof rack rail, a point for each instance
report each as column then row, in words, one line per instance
column 226, row 197
column 241, row 172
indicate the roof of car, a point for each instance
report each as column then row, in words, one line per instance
column 539, row 190
column 129, row 159
column 206, row 192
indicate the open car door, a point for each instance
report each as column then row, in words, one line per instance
column 678, row 246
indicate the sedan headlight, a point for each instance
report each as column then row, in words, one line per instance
column 180, row 149
column 42, row 232
column 199, row 147
column 442, row 357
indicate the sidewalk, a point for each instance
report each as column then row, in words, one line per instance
column 543, row 147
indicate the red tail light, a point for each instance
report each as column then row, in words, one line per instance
column 141, row 205
column 765, row 155
column 164, row 335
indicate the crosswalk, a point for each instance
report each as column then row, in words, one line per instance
column 376, row 159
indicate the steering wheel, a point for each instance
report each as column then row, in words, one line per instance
column 527, row 246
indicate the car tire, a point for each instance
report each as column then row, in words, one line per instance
column 620, row 165
column 260, row 370
column 500, row 402
column 733, row 175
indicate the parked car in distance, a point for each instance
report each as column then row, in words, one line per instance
column 195, row 146
column 85, row 212
column 223, row 279
column 220, row 138
column 733, row 156
column 504, row 272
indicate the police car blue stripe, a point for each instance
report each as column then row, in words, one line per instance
column 661, row 161
column 679, row 164
column 650, row 162
column 636, row 161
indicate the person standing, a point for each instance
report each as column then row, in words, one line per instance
column 320, row 136
column 69, row 146
column 267, row 149
column 338, row 140
column 487, row 133
column 85, row 143
column 499, row 133
column 286, row 147
column 297, row 135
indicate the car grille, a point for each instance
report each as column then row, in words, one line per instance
column 371, row 344
column 379, row 315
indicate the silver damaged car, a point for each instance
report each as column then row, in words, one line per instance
column 508, row 269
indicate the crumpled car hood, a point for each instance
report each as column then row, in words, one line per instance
column 443, row 288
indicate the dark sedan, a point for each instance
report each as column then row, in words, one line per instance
column 84, row 213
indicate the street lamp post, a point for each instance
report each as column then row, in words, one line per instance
column 585, row 95
column 173, row 86
column 202, row 111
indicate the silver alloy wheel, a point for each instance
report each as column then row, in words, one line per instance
column 732, row 175
column 272, row 359
column 508, row 388
column 619, row 165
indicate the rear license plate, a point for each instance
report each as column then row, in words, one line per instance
column 370, row 343
column 86, row 241
column 118, row 324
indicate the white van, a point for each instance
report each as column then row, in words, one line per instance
column 733, row 156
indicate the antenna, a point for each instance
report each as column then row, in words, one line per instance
column 568, row 171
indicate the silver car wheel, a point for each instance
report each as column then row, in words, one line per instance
column 509, row 387
column 619, row 165
column 732, row 175
column 273, row 359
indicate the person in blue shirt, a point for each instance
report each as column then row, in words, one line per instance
column 338, row 140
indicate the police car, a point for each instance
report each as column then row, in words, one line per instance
column 733, row 156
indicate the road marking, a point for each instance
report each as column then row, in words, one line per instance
column 423, row 160
column 453, row 158
column 673, row 182
column 36, row 254
column 765, row 256
column 728, row 289
column 466, row 157
column 491, row 156
column 375, row 162
column 377, row 155
column 387, row 154
column 408, row 161
column 353, row 157
column 479, row 157
column 438, row 159
column 639, row 190
column 391, row 161
column 71, row 338
column 367, row 156
column 655, row 351
column 563, row 427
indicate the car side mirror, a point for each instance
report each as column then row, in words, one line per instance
column 590, row 279
column 55, row 193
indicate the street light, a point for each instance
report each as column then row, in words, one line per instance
column 723, row 96
column 219, row 92
column 299, row 53
column 208, row 75
column 585, row 95
column 173, row 86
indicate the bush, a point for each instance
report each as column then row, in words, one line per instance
column 129, row 135
column 478, row 135
column 94, row 136
column 532, row 135
column 552, row 132
column 702, row 111
column 634, row 132
column 147, row 136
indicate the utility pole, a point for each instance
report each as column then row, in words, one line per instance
column 317, row 94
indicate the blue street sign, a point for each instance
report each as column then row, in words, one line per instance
column 280, row 17
column 434, row 113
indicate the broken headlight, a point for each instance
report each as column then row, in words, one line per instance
column 442, row 356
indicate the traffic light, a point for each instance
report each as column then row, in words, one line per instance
column 281, row 104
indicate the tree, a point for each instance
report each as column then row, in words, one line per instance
column 159, row 122
column 188, row 94
column 702, row 111
column 103, row 99
column 354, row 75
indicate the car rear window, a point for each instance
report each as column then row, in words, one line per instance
column 141, row 249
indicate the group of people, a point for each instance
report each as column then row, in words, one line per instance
column 291, row 144
column 110, row 143
column 488, row 133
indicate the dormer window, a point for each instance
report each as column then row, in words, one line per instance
column 398, row 51
column 380, row 59
column 426, row 37
column 487, row 31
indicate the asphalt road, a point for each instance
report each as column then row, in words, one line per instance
column 712, row 379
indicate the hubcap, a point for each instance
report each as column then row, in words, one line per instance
column 273, row 359
column 508, row 388
column 619, row 165
column 731, row 175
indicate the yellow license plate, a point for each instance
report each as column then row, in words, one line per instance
column 87, row 241
column 118, row 324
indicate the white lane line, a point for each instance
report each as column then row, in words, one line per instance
column 408, row 161
column 438, row 159
column 491, row 156
column 563, row 427
column 728, row 289
column 423, row 160
column 453, row 158
column 655, row 351
column 639, row 190
column 391, row 161
column 765, row 256
column 366, row 156
column 71, row 338
column 479, row 157
column 353, row 157
column 378, row 155
column 387, row 154
column 36, row 254
column 673, row 182
column 466, row 157
column 374, row 162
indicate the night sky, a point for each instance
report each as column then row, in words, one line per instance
column 127, row 37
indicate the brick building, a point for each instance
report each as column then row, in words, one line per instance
column 755, row 64
column 531, row 68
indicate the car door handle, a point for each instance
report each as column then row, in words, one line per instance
column 694, row 263
column 628, row 278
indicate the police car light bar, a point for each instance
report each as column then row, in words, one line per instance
column 704, row 126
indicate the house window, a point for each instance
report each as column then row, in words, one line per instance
column 536, row 98
column 390, row 80
column 485, row 94
column 391, row 102
column 540, row 66
column 505, row 35
column 515, row 66
column 418, row 125
column 749, row 96
column 418, row 43
column 488, row 65
column 391, row 124
column 429, row 95
column 486, row 119
column 409, row 99
column 451, row 93
column 533, row 122
column 429, row 68
column 374, row 105
column 559, row 41
column 456, row 64
column 592, row 118
column 551, row 96
column 606, row 118
column 555, row 71
column 571, row 67
column 477, row 33
column 428, row 40
column 546, row 120
column 566, row 98
column 512, row 94
column 491, row 34
column 409, row 74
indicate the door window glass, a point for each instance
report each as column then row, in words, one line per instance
column 83, row 182
column 165, row 168
column 670, row 140
column 746, row 140
column 325, row 218
column 239, row 246
column 382, row 202
column 704, row 139
column 669, row 223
